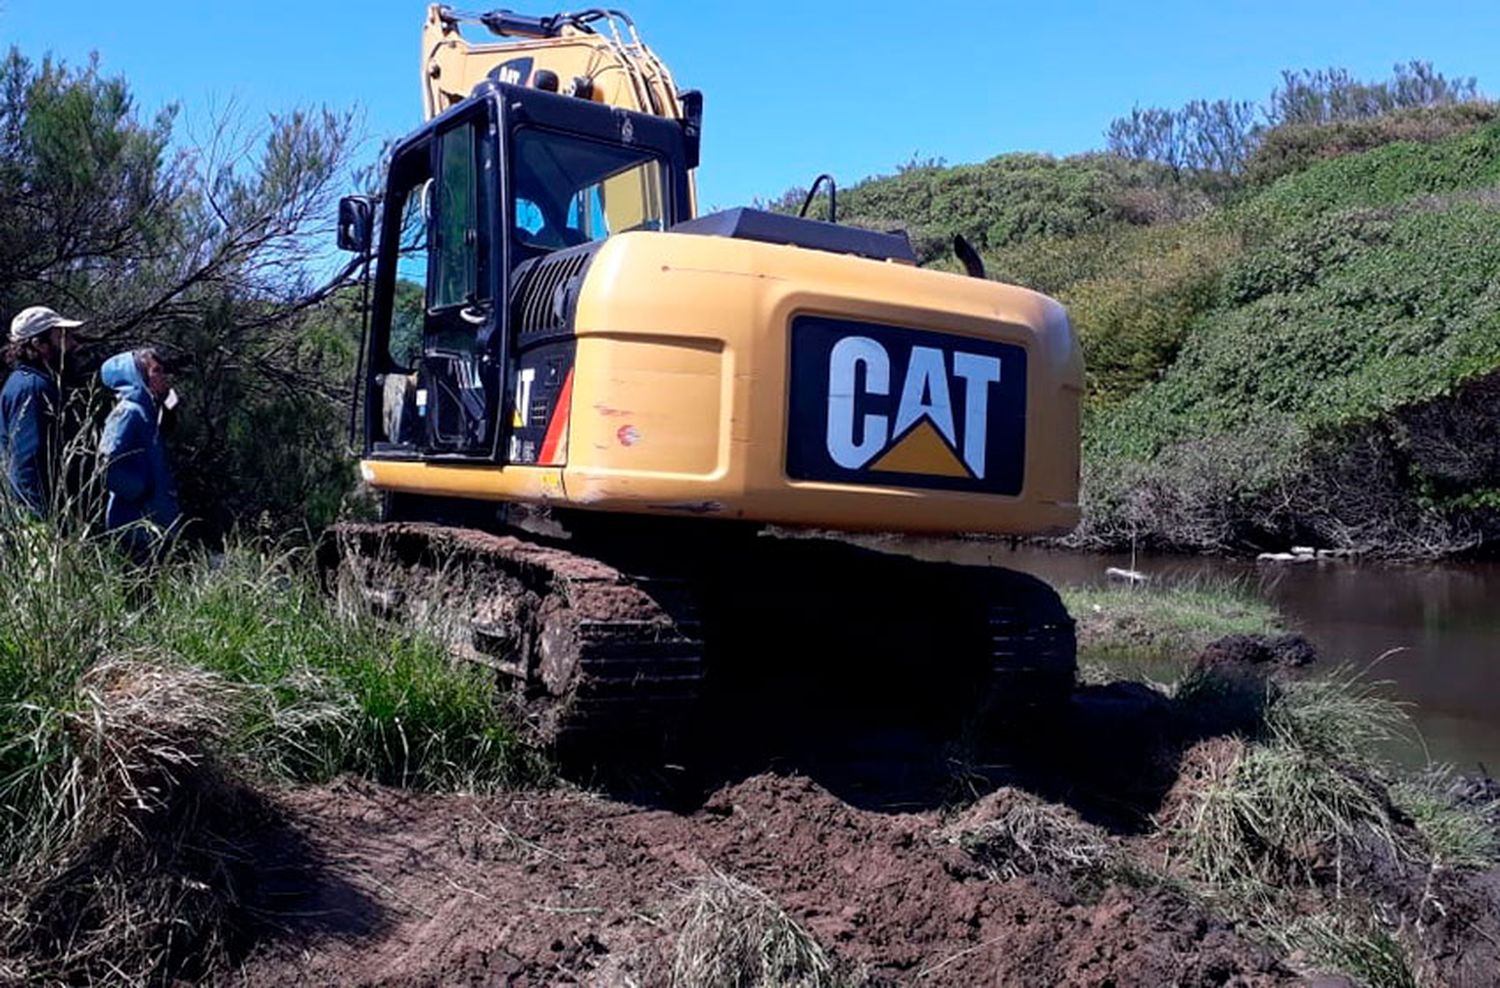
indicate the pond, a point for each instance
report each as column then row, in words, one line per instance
column 1431, row 630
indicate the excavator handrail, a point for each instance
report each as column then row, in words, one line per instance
column 508, row 23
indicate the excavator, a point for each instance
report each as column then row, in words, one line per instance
column 623, row 450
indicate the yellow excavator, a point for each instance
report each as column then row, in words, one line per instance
column 604, row 427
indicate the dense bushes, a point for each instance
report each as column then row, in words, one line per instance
column 1371, row 291
column 1284, row 352
column 1006, row 200
column 1293, row 147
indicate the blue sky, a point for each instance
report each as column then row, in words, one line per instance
column 792, row 90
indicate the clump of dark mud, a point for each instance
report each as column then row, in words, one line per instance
column 1265, row 652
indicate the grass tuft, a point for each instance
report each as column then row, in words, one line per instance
column 1024, row 835
column 1366, row 951
column 1340, row 716
column 1457, row 835
column 126, row 878
column 732, row 933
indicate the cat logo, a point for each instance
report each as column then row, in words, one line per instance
column 881, row 405
column 515, row 72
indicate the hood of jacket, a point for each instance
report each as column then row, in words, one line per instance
column 123, row 375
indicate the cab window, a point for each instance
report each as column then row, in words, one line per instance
column 455, row 241
column 570, row 190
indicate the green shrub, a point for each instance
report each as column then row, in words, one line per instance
column 1294, row 147
column 1009, row 199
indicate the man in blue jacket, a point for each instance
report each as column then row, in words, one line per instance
column 30, row 405
column 136, row 471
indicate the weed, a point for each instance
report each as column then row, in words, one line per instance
column 1340, row 716
column 1362, row 949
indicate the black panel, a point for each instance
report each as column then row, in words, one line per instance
column 874, row 404
column 775, row 228
column 544, row 293
column 540, row 374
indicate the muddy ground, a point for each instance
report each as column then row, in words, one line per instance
column 843, row 827
column 854, row 823
column 571, row 888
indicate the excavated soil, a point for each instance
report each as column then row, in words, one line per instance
column 570, row 888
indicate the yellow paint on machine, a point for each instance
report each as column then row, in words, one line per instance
column 681, row 382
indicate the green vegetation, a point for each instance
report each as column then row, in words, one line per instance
column 1286, row 315
column 1151, row 628
column 1457, row 836
column 134, row 707
column 296, row 692
column 209, row 251
column 332, row 694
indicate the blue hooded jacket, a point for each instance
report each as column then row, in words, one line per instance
column 135, row 460
column 29, row 405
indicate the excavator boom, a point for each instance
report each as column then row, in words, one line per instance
column 596, row 54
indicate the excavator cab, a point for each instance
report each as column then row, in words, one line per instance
column 475, row 199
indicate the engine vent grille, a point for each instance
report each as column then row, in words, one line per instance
column 546, row 292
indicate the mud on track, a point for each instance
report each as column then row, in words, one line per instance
column 565, row 887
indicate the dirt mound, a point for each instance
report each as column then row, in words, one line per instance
column 569, row 888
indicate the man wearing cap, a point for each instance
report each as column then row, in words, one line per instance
column 30, row 404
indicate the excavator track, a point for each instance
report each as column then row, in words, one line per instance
column 589, row 650
column 841, row 625
column 640, row 641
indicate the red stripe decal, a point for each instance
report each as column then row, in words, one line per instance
column 555, row 444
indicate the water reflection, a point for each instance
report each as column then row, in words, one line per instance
column 1436, row 625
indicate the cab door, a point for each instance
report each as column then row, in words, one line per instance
column 437, row 370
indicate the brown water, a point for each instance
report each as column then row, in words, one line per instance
column 1437, row 626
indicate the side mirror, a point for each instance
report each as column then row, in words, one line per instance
column 356, row 223
column 692, row 124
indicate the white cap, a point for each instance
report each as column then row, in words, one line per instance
column 37, row 320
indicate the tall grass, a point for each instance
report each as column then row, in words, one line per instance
column 332, row 693
column 307, row 694
column 137, row 702
column 61, row 596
